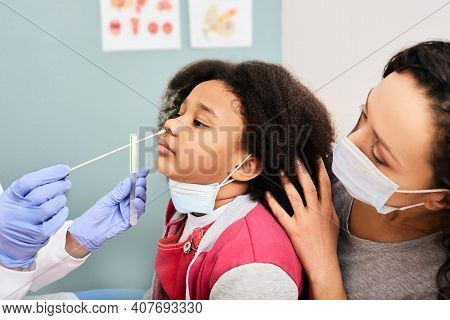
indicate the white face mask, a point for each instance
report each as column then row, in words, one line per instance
column 364, row 181
column 189, row 197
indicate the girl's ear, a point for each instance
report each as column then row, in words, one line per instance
column 249, row 170
column 438, row 201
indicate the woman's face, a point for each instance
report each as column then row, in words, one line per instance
column 204, row 139
column 395, row 131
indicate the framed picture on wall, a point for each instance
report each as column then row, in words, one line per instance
column 220, row 23
column 140, row 24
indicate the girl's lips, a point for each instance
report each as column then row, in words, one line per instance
column 164, row 148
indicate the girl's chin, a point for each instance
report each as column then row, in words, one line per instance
column 167, row 170
column 163, row 168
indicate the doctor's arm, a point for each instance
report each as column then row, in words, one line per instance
column 32, row 209
column 54, row 261
column 72, row 244
column 73, row 247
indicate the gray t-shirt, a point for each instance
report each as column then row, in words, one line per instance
column 374, row 270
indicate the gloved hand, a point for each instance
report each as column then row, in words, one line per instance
column 110, row 216
column 32, row 209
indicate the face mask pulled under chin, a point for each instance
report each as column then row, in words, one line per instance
column 364, row 181
column 199, row 198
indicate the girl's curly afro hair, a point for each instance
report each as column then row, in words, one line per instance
column 283, row 119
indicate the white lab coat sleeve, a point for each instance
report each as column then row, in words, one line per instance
column 53, row 262
column 15, row 284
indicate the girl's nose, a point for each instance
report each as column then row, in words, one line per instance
column 171, row 127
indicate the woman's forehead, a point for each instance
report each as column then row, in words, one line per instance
column 401, row 115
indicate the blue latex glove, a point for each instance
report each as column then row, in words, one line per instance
column 32, row 209
column 110, row 216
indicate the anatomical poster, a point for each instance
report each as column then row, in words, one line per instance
column 140, row 24
column 220, row 23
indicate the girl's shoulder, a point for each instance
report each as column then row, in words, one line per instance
column 254, row 240
column 257, row 237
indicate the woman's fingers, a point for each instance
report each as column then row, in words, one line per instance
column 294, row 197
column 324, row 184
column 283, row 218
column 309, row 189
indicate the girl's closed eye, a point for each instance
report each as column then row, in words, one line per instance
column 199, row 124
column 196, row 122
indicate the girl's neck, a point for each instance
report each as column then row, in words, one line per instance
column 228, row 193
column 366, row 223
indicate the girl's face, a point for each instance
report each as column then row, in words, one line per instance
column 396, row 132
column 201, row 145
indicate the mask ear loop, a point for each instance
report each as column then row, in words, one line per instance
column 418, row 191
column 411, row 206
column 223, row 183
column 422, row 191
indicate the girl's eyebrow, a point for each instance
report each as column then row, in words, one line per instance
column 207, row 109
column 186, row 102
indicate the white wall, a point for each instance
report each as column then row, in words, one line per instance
column 321, row 39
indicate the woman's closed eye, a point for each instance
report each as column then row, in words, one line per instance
column 374, row 158
column 372, row 155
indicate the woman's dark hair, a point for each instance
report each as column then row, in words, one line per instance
column 283, row 120
column 429, row 63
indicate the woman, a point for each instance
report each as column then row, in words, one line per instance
column 392, row 197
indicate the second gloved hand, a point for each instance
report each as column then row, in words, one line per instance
column 110, row 216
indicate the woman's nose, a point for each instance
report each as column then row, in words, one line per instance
column 362, row 138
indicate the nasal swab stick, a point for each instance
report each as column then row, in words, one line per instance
column 115, row 150
column 133, row 171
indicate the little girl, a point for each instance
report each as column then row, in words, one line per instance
column 230, row 129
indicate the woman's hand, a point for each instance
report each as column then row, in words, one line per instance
column 313, row 231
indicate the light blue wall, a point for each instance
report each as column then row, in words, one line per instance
column 56, row 107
